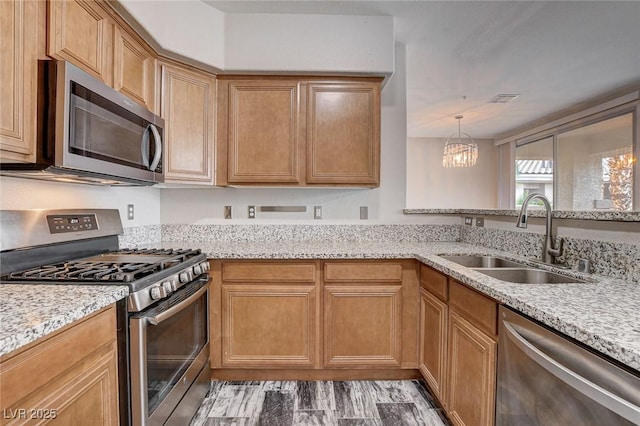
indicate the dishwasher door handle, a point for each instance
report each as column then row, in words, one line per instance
column 586, row 387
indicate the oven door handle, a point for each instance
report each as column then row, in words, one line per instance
column 163, row 316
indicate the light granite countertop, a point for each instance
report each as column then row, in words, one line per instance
column 602, row 314
column 603, row 215
column 28, row 312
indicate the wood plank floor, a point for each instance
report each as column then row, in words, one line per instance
column 346, row 403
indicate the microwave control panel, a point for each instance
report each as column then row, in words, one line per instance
column 72, row 223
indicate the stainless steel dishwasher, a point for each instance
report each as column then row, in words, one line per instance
column 546, row 379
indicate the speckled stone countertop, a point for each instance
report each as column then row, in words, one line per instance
column 602, row 314
column 28, row 312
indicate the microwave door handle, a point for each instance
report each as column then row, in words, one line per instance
column 158, row 153
column 144, row 146
column 613, row 402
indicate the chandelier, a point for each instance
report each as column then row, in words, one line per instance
column 460, row 150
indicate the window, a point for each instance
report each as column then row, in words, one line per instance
column 589, row 167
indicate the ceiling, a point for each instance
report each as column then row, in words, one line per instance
column 460, row 54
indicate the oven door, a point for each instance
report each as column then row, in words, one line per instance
column 170, row 357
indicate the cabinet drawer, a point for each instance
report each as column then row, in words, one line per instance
column 45, row 361
column 434, row 282
column 363, row 272
column 265, row 272
column 476, row 308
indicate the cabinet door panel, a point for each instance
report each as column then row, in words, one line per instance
column 433, row 343
column 472, row 374
column 263, row 132
column 362, row 326
column 134, row 69
column 188, row 110
column 343, row 133
column 78, row 32
column 19, row 32
column 271, row 325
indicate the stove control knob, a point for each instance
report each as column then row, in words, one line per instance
column 185, row 276
column 205, row 267
column 197, row 270
column 158, row 292
column 169, row 286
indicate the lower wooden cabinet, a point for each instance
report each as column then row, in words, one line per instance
column 315, row 315
column 471, row 373
column 69, row 378
column 269, row 325
column 433, row 343
column 362, row 326
column 458, row 347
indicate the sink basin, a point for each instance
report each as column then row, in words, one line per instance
column 482, row 261
column 529, row 276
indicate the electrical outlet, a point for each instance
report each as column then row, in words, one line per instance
column 130, row 212
column 364, row 212
column 317, row 212
column 468, row 220
column 252, row 212
column 480, row 222
column 227, row 212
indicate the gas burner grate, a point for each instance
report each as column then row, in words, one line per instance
column 118, row 267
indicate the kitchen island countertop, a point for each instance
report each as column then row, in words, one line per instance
column 28, row 312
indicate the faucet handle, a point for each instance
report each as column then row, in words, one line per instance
column 558, row 251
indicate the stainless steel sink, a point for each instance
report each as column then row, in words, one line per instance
column 472, row 261
column 528, row 276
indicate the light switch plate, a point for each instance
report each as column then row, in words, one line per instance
column 468, row 220
column 480, row 222
column 227, row 212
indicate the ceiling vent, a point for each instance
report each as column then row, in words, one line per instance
column 504, row 98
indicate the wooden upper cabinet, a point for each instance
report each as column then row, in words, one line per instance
column 188, row 108
column 134, row 69
column 79, row 32
column 343, row 133
column 22, row 26
column 298, row 131
column 262, row 132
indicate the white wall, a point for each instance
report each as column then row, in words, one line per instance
column 188, row 28
column 204, row 206
column 22, row 194
column 309, row 43
column 430, row 185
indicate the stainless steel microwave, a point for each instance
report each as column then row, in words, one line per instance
column 90, row 133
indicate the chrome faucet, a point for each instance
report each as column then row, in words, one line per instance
column 549, row 252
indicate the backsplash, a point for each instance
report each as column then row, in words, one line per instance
column 614, row 259
column 248, row 233
column 139, row 235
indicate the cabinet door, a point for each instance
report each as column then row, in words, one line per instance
column 471, row 373
column 269, row 326
column 433, row 343
column 21, row 24
column 188, row 99
column 134, row 69
column 362, row 326
column 71, row 377
column 262, row 132
column 79, row 32
column 343, row 133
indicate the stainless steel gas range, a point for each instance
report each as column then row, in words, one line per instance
column 163, row 336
